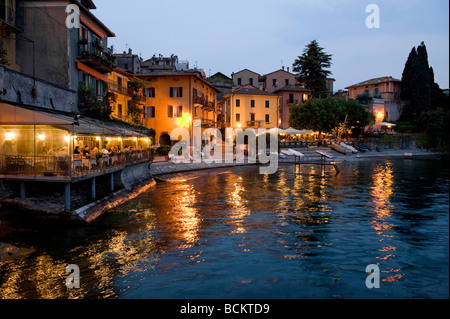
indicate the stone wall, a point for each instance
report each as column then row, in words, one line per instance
column 16, row 87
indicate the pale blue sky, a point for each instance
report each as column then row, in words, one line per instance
column 263, row 35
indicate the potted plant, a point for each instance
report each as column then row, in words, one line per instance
column 83, row 41
column 86, row 93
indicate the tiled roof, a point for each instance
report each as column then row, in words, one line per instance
column 291, row 87
column 251, row 90
column 379, row 80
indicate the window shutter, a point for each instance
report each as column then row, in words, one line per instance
column 170, row 111
column 180, row 111
column 180, row 92
column 171, row 92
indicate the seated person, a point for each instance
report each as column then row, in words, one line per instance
column 86, row 151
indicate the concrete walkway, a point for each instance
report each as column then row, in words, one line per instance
column 161, row 166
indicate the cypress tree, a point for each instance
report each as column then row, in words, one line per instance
column 418, row 87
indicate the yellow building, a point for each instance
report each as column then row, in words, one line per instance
column 118, row 83
column 386, row 87
column 250, row 107
column 174, row 99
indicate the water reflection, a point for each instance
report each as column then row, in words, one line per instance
column 238, row 205
column 382, row 192
column 175, row 239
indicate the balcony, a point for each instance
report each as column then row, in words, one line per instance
column 209, row 106
column 208, row 123
column 93, row 56
column 114, row 86
column 199, row 101
column 255, row 124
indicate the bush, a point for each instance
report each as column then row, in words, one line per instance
column 164, row 150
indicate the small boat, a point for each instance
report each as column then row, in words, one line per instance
column 159, row 180
column 362, row 148
column 349, row 148
column 338, row 148
column 286, row 153
column 295, row 153
column 325, row 154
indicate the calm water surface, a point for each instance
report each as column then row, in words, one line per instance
column 238, row 234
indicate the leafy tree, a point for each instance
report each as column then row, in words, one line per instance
column 322, row 115
column 311, row 68
column 326, row 115
column 357, row 116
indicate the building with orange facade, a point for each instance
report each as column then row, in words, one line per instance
column 174, row 99
column 381, row 95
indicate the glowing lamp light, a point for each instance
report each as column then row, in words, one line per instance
column 67, row 138
column 41, row 137
column 188, row 119
column 97, row 138
column 9, row 136
column 239, row 125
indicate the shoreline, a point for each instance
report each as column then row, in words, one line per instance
column 160, row 169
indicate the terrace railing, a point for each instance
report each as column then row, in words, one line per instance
column 66, row 166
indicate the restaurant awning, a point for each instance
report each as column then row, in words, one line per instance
column 16, row 115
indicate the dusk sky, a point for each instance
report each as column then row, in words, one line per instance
column 263, row 35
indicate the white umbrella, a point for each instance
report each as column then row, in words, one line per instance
column 291, row 130
column 385, row 124
column 275, row 130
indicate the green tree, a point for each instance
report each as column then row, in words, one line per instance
column 326, row 115
column 321, row 115
column 311, row 69
column 357, row 116
column 419, row 90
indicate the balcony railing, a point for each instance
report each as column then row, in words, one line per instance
column 93, row 56
column 65, row 166
column 114, row 86
column 199, row 100
column 208, row 123
column 254, row 124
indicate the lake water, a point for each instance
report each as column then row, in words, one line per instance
column 238, row 234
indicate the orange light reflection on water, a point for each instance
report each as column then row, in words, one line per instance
column 382, row 192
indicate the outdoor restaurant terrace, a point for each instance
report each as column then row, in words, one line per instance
column 40, row 145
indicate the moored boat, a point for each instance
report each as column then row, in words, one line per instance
column 338, row 148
